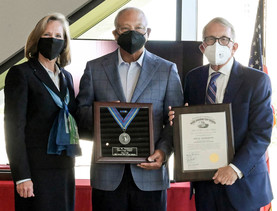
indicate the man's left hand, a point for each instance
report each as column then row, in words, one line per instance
column 225, row 176
column 156, row 160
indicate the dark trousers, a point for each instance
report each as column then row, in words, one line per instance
column 212, row 197
column 128, row 197
column 54, row 189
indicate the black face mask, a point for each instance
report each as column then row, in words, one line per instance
column 131, row 41
column 50, row 48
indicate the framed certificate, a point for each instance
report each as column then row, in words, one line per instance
column 123, row 132
column 203, row 141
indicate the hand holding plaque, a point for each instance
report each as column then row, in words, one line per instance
column 123, row 132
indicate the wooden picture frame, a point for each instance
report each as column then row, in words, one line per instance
column 123, row 132
column 203, row 141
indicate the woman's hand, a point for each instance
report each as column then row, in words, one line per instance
column 25, row 189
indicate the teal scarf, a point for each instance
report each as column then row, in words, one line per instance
column 64, row 132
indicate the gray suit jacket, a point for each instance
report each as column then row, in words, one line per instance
column 159, row 84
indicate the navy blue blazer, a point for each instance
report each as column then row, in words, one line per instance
column 249, row 92
column 29, row 115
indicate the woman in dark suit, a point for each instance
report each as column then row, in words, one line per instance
column 41, row 134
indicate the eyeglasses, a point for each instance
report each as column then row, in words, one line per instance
column 221, row 40
column 140, row 29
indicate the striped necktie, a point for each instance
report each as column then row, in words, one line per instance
column 211, row 91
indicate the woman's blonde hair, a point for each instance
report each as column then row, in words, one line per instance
column 31, row 47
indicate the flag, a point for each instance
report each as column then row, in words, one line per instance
column 257, row 58
column 257, row 54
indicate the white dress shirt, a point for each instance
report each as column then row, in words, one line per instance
column 54, row 76
column 222, row 81
column 221, row 84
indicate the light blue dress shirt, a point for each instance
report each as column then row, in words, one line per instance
column 129, row 74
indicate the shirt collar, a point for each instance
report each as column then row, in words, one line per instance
column 226, row 69
column 57, row 72
column 139, row 61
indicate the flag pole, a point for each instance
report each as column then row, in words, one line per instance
column 264, row 31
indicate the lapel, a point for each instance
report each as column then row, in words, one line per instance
column 63, row 83
column 110, row 66
column 203, row 79
column 149, row 68
column 43, row 76
column 234, row 83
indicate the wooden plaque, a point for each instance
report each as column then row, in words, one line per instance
column 123, row 132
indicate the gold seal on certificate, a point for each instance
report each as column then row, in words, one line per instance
column 123, row 132
column 214, row 158
column 203, row 140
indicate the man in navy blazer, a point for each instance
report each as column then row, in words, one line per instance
column 131, row 74
column 244, row 184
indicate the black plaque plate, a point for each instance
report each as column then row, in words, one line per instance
column 116, row 145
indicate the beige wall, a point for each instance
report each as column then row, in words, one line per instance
column 18, row 18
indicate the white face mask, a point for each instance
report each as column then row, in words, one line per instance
column 217, row 54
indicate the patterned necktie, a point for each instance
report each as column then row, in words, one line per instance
column 211, row 91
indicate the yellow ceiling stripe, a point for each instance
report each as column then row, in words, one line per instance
column 2, row 79
column 95, row 16
column 85, row 23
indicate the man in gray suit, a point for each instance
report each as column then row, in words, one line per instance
column 131, row 74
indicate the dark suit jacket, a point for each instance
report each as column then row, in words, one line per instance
column 29, row 114
column 159, row 84
column 249, row 92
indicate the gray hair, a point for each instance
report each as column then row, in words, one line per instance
column 225, row 23
column 126, row 9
